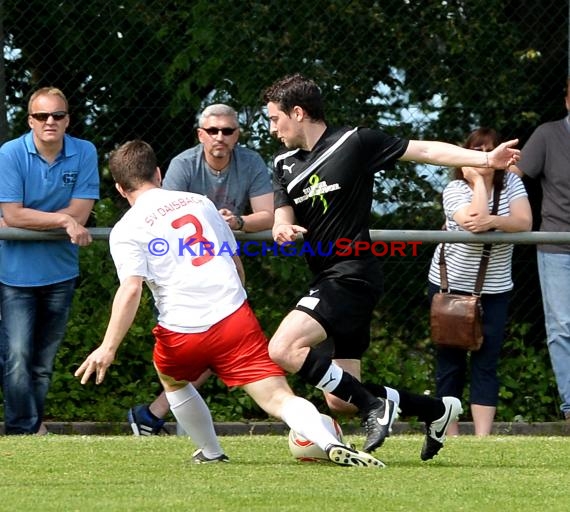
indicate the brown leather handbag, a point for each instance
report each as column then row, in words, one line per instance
column 457, row 320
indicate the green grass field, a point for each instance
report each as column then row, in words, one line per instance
column 125, row 473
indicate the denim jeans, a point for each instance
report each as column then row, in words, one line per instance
column 33, row 325
column 454, row 365
column 554, row 274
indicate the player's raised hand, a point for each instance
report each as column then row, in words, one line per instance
column 504, row 155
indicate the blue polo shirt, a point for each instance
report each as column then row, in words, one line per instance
column 25, row 177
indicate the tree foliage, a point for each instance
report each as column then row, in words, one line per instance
column 429, row 69
column 422, row 69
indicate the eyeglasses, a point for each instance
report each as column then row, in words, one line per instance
column 214, row 131
column 44, row 116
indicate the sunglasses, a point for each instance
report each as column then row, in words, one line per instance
column 44, row 116
column 214, row 131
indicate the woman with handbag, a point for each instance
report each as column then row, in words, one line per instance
column 468, row 203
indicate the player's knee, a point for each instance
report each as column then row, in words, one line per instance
column 276, row 352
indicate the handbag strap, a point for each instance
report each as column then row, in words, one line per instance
column 485, row 255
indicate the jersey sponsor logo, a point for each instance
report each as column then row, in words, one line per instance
column 317, row 190
column 314, row 180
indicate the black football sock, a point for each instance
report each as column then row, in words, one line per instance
column 320, row 371
column 426, row 408
column 376, row 389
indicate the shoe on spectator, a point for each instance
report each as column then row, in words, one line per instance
column 143, row 422
column 198, row 457
column 347, row 456
column 377, row 423
column 436, row 430
column 42, row 430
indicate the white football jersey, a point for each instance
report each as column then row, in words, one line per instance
column 182, row 247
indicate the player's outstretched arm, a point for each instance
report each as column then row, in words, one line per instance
column 442, row 153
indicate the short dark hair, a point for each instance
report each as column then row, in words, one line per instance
column 296, row 91
column 132, row 164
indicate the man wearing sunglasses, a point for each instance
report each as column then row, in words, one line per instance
column 237, row 181
column 233, row 177
column 49, row 180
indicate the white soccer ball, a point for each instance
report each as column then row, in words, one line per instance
column 306, row 451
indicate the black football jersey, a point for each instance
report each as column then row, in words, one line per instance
column 330, row 188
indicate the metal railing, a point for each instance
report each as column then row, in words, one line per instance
column 385, row 235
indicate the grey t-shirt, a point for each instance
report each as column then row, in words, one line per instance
column 546, row 156
column 247, row 176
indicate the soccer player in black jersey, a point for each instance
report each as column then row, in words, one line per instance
column 323, row 184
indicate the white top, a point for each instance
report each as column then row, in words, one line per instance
column 462, row 260
column 182, row 247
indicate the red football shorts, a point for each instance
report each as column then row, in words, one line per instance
column 235, row 349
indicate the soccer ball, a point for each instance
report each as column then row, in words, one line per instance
column 306, row 451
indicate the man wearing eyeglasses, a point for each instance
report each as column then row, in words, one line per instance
column 49, row 180
column 233, row 177
column 237, row 181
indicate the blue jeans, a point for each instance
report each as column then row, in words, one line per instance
column 554, row 274
column 452, row 364
column 33, row 325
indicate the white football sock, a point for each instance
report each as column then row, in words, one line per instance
column 193, row 415
column 304, row 418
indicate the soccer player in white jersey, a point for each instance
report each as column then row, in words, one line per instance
column 179, row 244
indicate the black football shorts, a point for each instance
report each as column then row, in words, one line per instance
column 343, row 306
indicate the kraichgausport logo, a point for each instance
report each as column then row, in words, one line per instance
column 343, row 247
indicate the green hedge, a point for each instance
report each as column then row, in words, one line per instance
column 401, row 354
column 527, row 388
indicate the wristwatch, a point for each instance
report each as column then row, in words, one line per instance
column 239, row 222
